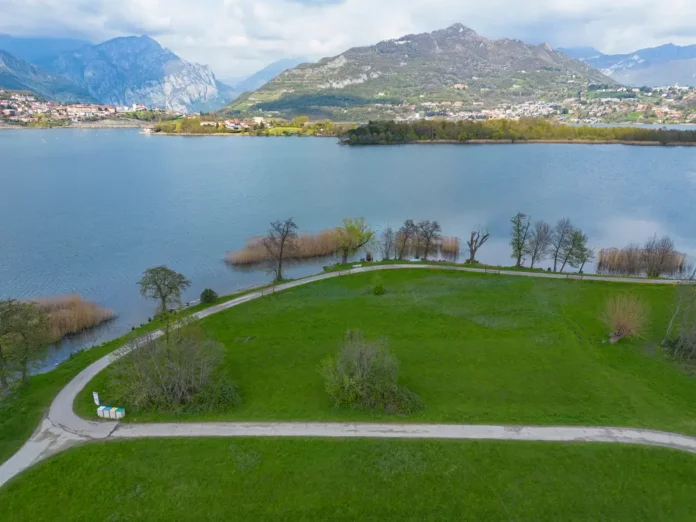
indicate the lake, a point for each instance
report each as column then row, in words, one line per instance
column 86, row 211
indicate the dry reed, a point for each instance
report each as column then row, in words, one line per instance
column 632, row 261
column 450, row 247
column 626, row 316
column 306, row 246
column 70, row 314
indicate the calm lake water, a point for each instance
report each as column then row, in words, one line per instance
column 86, row 211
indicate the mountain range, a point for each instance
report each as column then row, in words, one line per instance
column 121, row 71
column 18, row 74
column 453, row 64
column 652, row 67
column 129, row 70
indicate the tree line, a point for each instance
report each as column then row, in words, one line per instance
column 524, row 129
column 564, row 244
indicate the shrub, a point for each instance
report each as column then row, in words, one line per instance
column 208, row 296
column 683, row 321
column 378, row 286
column 175, row 373
column 626, row 316
column 364, row 375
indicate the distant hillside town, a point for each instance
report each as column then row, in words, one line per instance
column 28, row 109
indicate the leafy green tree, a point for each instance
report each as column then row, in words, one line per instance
column 582, row 253
column 521, row 224
column 164, row 285
column 208, row 296
column 24, row 338
column 352, row 236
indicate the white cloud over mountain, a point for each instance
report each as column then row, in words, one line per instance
column 238, row 36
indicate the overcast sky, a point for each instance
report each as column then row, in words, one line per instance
column 237, row 37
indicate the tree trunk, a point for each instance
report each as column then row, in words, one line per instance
column 4, row 383
column 344, row 257
column 564, row 264
column 25, row 370
column 279, row 275
column 555, row 262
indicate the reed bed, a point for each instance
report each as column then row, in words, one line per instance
column 447, row 247
column 450, row 247
column 632, row 261
column 70, row 314
column 306, row 246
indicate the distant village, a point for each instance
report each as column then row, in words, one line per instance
column 26, row 108
column 598, row 104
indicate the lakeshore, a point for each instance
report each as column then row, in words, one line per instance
column 220, row 192
column 550, row 142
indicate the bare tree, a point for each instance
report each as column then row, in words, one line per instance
column 388, row 244
column 684, row 316
column 164, row 285
column 538, row 242
column 429, row 233
column 561, row 240
column 519, row 233
column 279, row 241
column 477, row 239
column 405, row 235
column 658, row 255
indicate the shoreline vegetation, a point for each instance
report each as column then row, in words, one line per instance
column 328, row 243
column 70, row 314
column 524, row 130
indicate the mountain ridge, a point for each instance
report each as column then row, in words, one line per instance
column 455, row 63
column 18, row 74
column 660, row 66
column 137, row 69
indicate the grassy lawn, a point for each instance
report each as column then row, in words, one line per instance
column 21, row 412
column 476, row 348
column 354, row 479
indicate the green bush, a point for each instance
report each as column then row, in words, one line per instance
column 364, row 375
column 378, row 289
column 208, row 296
column 175, row 373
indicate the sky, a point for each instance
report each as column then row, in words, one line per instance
column 238, row 37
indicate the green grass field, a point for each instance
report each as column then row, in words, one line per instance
column 301, row 479
column 476, row 348
column 21, row 412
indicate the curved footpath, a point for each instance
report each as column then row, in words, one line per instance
column 62, row 428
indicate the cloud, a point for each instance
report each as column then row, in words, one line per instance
column 239, row 36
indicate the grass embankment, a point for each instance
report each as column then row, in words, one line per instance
column 476, row 349
column 21, row 412
column 300, row 479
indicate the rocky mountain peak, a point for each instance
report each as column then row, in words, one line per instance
column 137, row 69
